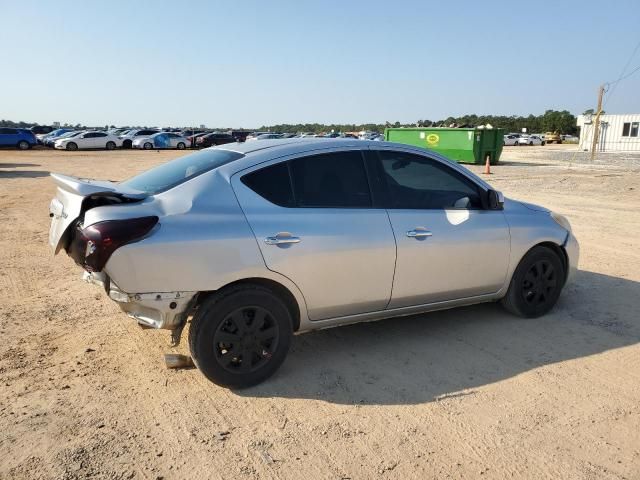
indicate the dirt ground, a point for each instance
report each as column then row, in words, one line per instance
column 467, row 393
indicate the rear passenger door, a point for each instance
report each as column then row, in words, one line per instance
column 314, row 223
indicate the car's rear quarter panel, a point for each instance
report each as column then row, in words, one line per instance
column 202, row 243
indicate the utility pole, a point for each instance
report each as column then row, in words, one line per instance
column 596, row 123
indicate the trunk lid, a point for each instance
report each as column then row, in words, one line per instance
column 70, row 202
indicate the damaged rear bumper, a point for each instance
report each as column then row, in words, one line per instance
column 166, row 310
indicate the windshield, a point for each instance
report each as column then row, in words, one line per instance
column 171, row 174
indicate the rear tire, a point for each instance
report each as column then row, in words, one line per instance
column 72, row 146
column 536, row 283
column 23, row 145
column 111, row 146
column 241, row 336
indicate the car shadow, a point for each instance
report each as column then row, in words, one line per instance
column 433, row 356
column 17, row 165
column 23, row 173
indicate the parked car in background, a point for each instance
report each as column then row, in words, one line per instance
column 42, row 138
column 511, row 140
column 49, row 142
column 255, row 135
column 214, row 138
column 300, row 236
column 192, row 138
column 530, row 140
column 128, row 138
column 189, row 132
column 41, row 129
column 89, row 140
column 20, row 138
column 551, row 137
column 269, row 136
column 161, row 140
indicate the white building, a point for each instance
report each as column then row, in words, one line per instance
column 618, row 133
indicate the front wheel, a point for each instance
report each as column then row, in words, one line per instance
column 240, row 337
column 148, row 146
column 536, row 284
column 72, row 146
column 181, row 146
column 111, row 145
column 24, row 145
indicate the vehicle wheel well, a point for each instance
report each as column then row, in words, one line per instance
column 276, row 288
column 562, row 254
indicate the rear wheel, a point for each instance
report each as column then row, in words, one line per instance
column 240, row 337
column 148, row 145
column 181, row 146
column 24, row 145
column 72, row 146
column 111, row 145
column 536, row 284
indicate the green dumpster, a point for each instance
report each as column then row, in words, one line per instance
column 464, row 145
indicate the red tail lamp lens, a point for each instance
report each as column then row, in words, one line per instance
column 103, row 238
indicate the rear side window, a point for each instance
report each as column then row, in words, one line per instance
column 332, row 180
column 272, row 183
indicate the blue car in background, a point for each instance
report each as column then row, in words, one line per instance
column 17, row 137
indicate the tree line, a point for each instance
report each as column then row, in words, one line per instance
column 550, row 121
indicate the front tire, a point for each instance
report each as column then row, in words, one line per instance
column 240, row 337
column 181, row 146
column 536, row 283
column 111, row 145
column 148, row 146
column 72, row 146
column 23, row 145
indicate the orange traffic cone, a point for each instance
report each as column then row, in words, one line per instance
column 487, row 166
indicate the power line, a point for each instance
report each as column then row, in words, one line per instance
column 622, row 74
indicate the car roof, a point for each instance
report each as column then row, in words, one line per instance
column 291, row 144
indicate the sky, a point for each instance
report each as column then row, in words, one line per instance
column 252, row 63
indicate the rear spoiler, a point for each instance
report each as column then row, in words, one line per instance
column 86, row 187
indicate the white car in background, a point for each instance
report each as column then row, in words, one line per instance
column 89, row 140
column 530, row 140
column 511, row 140
column 161, row 140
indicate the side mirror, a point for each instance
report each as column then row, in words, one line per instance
column 496, row 200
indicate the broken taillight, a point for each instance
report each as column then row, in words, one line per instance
column 103, row 238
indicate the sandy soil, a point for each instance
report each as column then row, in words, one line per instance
column 468, row 393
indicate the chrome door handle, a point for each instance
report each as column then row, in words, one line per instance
column 419, row 234
column 281, row 240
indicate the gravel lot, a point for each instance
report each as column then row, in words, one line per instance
column 467, row 393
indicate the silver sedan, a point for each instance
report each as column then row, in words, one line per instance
column 255, row 241
column 161, row 140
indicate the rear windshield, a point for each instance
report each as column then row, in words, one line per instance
column 168, row 175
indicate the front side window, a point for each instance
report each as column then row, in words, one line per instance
column 337, row 180
column 416, row 182
column 634, row 129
